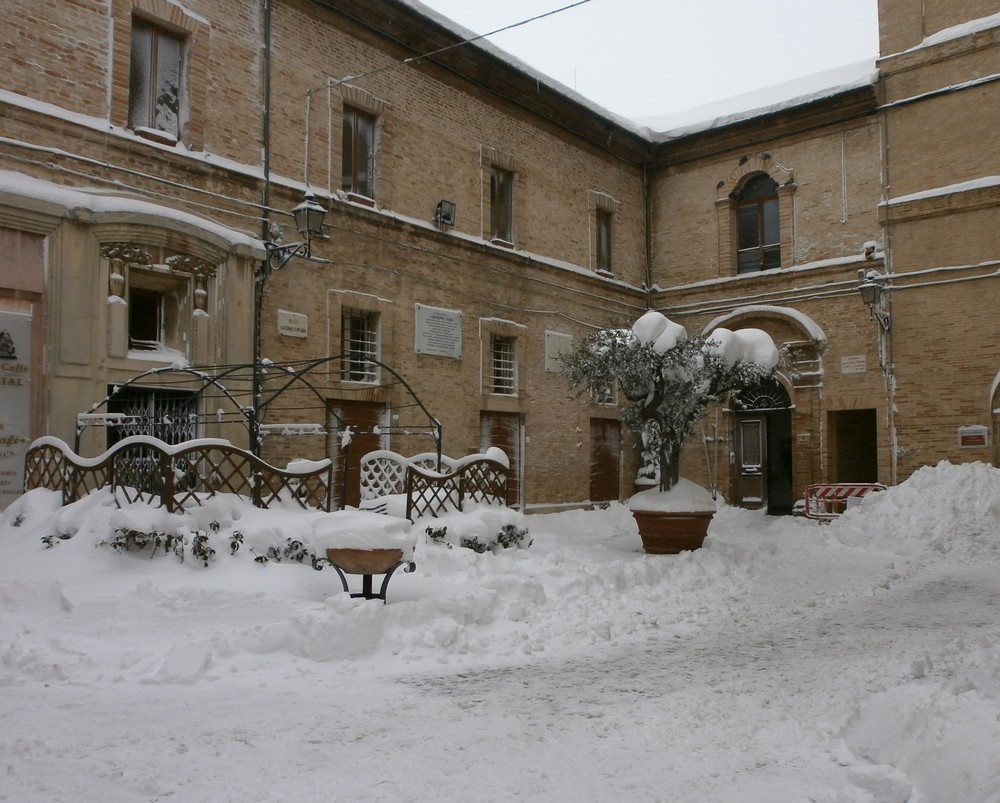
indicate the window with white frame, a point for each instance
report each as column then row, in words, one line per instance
column 155, row 79
column 759, row 225
column 359, row 337
column 358, row 160
column 503, row 365
column 603, row 254
column 158, row 302
column 501, row 204
column 604, row 394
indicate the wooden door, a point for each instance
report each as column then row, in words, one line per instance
column 855, row 444
column 751, row 461
column 365, row 420
column 605, row 459
column 504, row 430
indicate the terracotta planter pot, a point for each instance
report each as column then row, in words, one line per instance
column 667, row 533
column 364, row 561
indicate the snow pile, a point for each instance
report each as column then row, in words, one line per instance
column 939, row 509
column 685, row 496
column 657, row 330
column 359, row 529
column 786, row 660
column 743, row 345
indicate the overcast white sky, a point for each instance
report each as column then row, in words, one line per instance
column 646, row 58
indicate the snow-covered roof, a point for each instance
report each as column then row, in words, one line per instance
column 701, row 118
column 515, row 63
column 957, row 31
column 768, row 100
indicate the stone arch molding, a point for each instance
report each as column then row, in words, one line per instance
column 995, row 394
column 799, row 336
column 753, row 164
column 995, row 418
column 757, row 313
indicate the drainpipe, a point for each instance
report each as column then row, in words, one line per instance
column 266, row 124
column 887, row 337
column 265, row 232
column 648, row 204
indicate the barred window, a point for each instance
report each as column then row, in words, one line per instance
column 359, row 339
column 170, row 415
column 503, row 372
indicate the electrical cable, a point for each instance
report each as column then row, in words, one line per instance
column 440, row 50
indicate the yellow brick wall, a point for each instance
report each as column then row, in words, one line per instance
column 846, row 180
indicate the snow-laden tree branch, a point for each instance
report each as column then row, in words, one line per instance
column 669, row 378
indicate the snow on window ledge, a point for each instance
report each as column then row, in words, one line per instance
column 156, row 135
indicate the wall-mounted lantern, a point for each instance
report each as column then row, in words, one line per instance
column 872, row 286
column 308, row 217
column 444, row 215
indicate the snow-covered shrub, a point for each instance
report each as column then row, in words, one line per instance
column 482, row 528
column 131, row 540
column 511, row 535
column 437, row 535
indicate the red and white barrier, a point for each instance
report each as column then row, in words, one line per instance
column 827, row 501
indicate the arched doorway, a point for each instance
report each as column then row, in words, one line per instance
column 763, row 439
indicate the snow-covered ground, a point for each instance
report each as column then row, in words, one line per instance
column 786, row 661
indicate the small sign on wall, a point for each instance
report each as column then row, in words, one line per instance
column 974, row 437
column 854, row 364
column 293, row 324
column 556, row 345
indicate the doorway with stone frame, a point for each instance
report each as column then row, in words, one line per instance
column 762, row 470
column 853, row 445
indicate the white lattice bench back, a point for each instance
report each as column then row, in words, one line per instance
column 383, row 472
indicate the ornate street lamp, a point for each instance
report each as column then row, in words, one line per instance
column 871, row 290
column 308, row 217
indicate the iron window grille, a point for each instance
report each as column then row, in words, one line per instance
column 169, row 415
column 359, row 337
column 503, row 366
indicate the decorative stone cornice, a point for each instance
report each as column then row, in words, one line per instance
column 128, row 253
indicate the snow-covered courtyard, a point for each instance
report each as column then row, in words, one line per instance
column 788, row 660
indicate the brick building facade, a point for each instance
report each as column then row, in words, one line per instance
column 481, row 217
